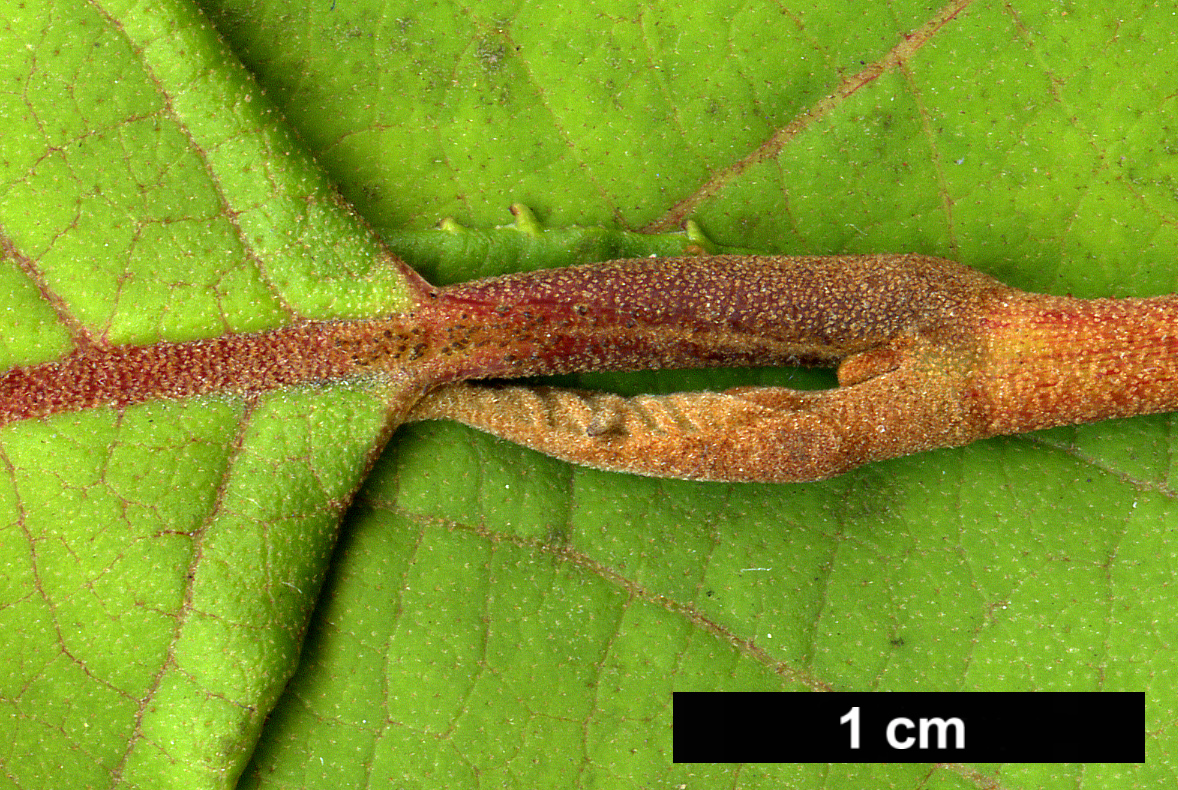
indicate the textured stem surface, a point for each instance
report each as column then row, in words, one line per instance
column 699, row 311
column 1050, row 360
column 929, row 353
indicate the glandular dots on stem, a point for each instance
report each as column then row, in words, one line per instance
column 930, row 354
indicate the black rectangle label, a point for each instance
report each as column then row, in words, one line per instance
column 1008, row 727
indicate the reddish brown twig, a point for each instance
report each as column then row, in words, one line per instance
column 929, row 353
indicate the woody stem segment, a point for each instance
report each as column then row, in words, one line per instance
column 930, row 354
column 1049, row 360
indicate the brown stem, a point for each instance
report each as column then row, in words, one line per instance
column 244, row 364
column 622, row 315
column 1051, row 360
column 930, row 354
column 693, row 312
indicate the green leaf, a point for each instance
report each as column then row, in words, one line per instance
column 160, row 563
column 493, row 617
